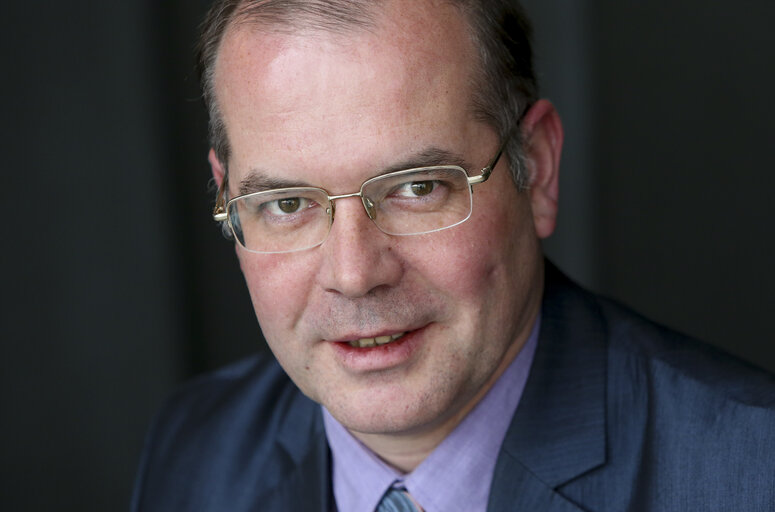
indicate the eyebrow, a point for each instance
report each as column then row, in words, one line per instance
column 259, row 181
column 427, row 158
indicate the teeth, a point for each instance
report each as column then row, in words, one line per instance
column 373, row 342
column 381, row 340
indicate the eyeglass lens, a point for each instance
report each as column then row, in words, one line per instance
column 402, row 203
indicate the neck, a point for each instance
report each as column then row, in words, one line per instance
column 405, row 451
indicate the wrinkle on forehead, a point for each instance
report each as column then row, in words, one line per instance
column 302, row 93
column 411, row 29
column 285, row 16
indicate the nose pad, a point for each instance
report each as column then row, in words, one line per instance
column 371, row 210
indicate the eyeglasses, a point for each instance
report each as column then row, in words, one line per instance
column 409, row 202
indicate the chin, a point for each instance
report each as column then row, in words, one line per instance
column 387, row 413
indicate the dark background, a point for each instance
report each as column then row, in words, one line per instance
column 117, row 286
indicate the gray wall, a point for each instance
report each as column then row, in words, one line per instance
column 117, row 286
column 91, row 330
column 667, row 179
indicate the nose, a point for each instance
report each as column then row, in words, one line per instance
column 357, row 256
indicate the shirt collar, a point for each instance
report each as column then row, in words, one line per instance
column 457, row 474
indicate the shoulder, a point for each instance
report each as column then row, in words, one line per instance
column 230, row 432
column 700, row 422
column 683, row 422
column 635, row 345
column 240, row 392
column 662, row 353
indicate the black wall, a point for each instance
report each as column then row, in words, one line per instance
column 117, row 286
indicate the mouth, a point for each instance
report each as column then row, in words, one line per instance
column 376, row 341
column 378, row 353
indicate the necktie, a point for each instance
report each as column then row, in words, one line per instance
column 396, row 499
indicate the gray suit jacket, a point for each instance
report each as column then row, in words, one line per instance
column 618, row 414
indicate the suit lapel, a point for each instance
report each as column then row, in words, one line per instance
column 519, row 489
column 307, row 488
column 558, row 430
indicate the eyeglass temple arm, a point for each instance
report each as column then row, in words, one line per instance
column 484, row 174
column 219, row 212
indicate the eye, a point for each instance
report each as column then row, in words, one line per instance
column 417, row 188
column 423, row 188
column 287, row 205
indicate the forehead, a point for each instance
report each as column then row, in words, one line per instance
column 286, row 94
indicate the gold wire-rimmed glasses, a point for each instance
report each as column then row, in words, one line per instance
column 408, row 202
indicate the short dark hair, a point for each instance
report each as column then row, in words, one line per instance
column 499, row 28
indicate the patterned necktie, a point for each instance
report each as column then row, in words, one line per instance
column 396, row 499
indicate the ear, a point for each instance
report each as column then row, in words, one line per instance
column 217, row 168
column 542, row 135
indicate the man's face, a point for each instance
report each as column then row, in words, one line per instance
column 332, row 111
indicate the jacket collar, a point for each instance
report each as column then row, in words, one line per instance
column 558, row 430
column 302, row 437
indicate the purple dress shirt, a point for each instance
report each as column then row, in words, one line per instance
column 457, row 474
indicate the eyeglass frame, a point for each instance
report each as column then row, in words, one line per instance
column 221, row 204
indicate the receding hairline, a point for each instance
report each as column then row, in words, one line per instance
column 305, row 18
column 374, row 17
column 344, row 16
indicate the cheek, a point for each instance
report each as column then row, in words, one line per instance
column 278, row 287
column 468, row 258
column 457, row 266
column 484, row 267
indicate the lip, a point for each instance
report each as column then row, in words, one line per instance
column 380, row 357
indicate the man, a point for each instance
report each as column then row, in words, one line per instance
column 387, row 172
